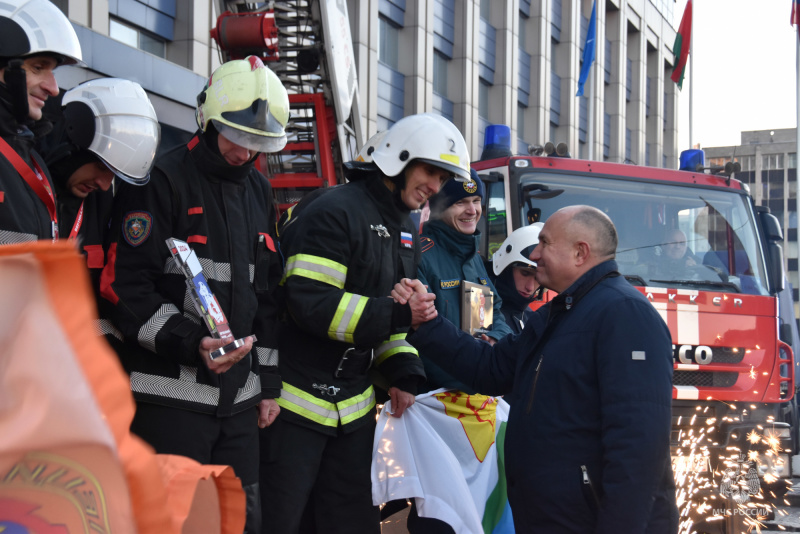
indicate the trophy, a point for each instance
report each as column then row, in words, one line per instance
column 477, row 308
column 204, row 300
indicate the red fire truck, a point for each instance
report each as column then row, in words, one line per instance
column 733, row 374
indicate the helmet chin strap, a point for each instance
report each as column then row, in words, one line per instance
column 17, row 90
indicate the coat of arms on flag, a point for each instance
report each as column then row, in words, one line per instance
column 446, row 451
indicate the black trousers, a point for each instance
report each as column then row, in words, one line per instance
column 311, row 482
column 208, row 439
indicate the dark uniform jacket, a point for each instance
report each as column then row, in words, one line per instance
column 344, row 252
column 226, row 215
column 515, row 308
column 449, row 258
column 23, row 216
column 587, row 442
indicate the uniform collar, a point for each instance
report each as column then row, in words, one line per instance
column 212, row 165
column 581, row 287
column 463, row 246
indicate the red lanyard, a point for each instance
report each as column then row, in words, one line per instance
column 78, row 221
column 36, row 181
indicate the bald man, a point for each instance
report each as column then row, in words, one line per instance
column 587, row 443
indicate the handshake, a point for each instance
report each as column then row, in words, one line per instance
column 415, row 294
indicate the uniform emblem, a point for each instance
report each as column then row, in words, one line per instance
column 380, row 229
column 136, row 227
column 470, row 187
column 406, row 240
column 450, row 284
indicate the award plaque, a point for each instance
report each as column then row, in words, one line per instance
column 477, row 308
column 204, row 300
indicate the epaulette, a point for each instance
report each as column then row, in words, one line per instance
column 426, row 243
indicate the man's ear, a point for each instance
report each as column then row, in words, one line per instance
column 582, row 252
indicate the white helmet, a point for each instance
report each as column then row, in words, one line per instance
column 427, row 137
column 115, row 120
column 34, row 27
column 365, row 154
column 517, row 247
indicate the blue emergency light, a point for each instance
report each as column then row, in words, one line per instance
column 691, row 160
column 496, row 142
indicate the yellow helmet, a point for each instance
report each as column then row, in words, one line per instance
column 247, row 104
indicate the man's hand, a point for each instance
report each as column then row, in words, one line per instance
column 268, row 410
column 407, row 287
column 422, row 308
column 226, row 361
column 400, row 401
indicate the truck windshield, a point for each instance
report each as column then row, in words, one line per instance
column 669, row 235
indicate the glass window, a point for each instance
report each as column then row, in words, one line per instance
column 439, row 74
column 771, row 162
column 483, row 100
column 123, row 33
column 495, row 217
column 388, row 43
column 153, row 45
column 791, row 160
column 137, row 38
column 715, row 230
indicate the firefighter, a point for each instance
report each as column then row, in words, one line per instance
column 35, row 38
column 108, row 128
column 515, row 275
column 208, row 194
column 345, row 250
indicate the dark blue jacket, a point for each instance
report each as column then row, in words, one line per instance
column 448, row 258
column 601, row 401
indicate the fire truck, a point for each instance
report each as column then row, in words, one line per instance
column 733, row 364
column 307, row 43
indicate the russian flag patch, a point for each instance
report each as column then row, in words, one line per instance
column 406, row 240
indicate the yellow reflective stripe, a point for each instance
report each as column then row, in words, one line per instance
column 346, row 318
column 323, row 412
column 302, row 403
column 316, row 268
column 452, row 158
column 397, row 343
column 354, row 408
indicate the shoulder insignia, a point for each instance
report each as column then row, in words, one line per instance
column 426, row 243
column 484, row 281
column 136, row 227
column 450, row 284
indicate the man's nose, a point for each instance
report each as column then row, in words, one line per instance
column 103, row 181
column 49, row 84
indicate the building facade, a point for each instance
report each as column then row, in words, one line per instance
column 769, row 166
column 477, row 62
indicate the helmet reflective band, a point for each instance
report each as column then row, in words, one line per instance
column 517, row 247
column 247, row 104
column 115, row 120
column 47, row 29
column 427, row 137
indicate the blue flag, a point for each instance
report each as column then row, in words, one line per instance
column 589, row 49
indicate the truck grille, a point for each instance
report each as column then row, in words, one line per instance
column 728, row 355
column 704, row 379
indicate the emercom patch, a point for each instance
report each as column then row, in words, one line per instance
column 136, row 227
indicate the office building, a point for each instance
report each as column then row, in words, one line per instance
column 477, row 62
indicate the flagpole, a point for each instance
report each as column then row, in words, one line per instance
column 590, row 125
column 691, row 81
